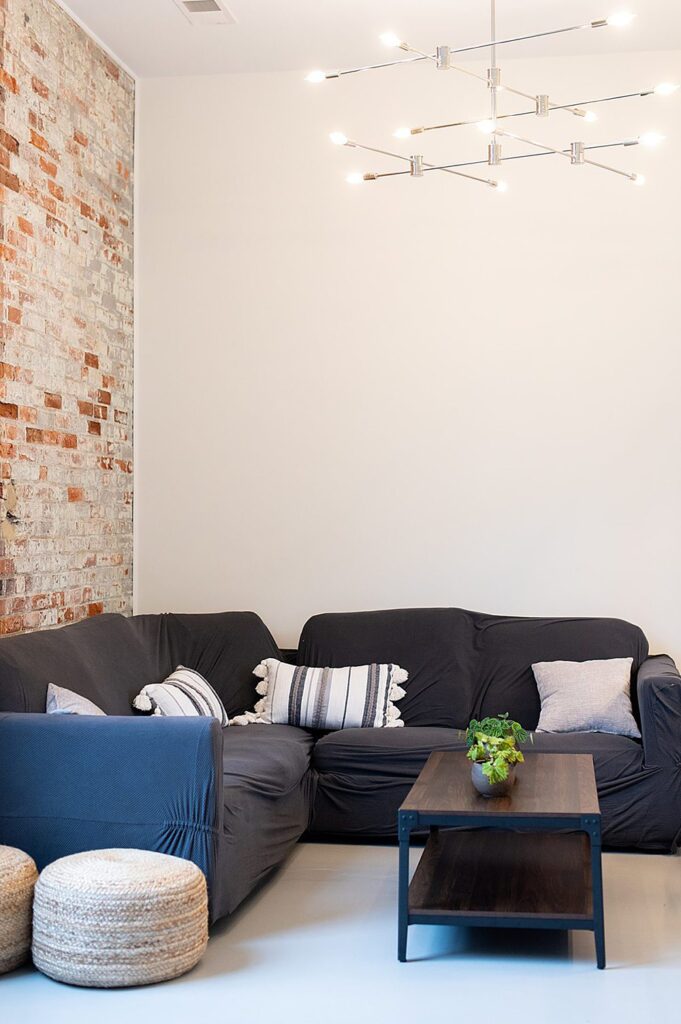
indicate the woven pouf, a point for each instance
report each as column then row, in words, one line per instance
column 18, row 875
column 110, row 918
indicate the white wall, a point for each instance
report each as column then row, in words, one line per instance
column 411, row 392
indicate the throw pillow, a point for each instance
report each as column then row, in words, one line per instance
column 61, row 701
column 586, row 696
column 184, row 693
column 357, row 697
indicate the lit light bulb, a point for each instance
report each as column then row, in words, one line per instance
column 390, row 39
column 356, row 178
column 651, row 139
column 502, row 186
column 486, row 127
column 338, row 139
column 315, row 77
column 591, row 116
column 621, row 20
column 639, row 179
column 665, row 89
column 402, row 133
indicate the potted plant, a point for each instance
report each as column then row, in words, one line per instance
column 493, row 748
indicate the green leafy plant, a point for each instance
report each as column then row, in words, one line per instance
column 493, row 743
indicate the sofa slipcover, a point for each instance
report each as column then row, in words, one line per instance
column 236, row 800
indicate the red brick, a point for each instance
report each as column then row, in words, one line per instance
column 53, row 401
column 8, row 142
column 25, row 225
column 91, row 360
column 85, row 408
column 39, row 142
column 104, row 397
column 76, row 494
column 94, row 427
column 40, row 88
column 14, row 315
column 9, row 410
column 95, row 608
column 80, row 138
column 9, row 180
column 48, row 167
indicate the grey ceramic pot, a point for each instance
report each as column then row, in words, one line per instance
column 491, row 789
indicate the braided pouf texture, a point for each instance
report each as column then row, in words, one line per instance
column 18, row 875
column 112, row 918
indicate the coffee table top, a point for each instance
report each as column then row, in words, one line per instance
column 554, row 785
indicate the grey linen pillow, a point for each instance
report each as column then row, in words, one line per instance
column 61, row 701
column 586, row 696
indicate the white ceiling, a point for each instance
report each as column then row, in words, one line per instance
column 152, row 37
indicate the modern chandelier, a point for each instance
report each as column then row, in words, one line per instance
column 495, row 126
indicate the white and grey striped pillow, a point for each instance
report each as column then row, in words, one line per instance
column 184, row 693
column 357, row 697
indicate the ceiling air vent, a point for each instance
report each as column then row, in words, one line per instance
column 206, row 12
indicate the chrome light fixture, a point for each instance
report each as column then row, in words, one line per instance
column 577, row 152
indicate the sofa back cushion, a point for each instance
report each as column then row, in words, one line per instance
column 109, row 658
column 464, row 664
column 101, row 658
column 224, row 647
column 434, row 645
column 507, row 648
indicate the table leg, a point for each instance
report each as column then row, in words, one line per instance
column 403, row 894
column 597, row 884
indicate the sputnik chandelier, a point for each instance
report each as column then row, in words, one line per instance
column 578, row 153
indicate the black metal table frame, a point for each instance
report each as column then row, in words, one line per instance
column 409, row 821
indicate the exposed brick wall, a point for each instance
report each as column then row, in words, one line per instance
column 66, row 351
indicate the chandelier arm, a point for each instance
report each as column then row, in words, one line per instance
column 426, row 166
column 528, row 113
column 566, row 153
column 533, row 35
column 384, row 64
column 507, row 159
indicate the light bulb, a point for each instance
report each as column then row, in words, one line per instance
column 591, row 116
column 486, row 127
column 665, row 89
column 390, row 39
column 639, row 179
column 402, row 133
column 651, row 139
column 338, row 139
column 315, row 77
column 621, row 20
column 502, row 186
column 356, row 178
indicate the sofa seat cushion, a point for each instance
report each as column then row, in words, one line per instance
column 363, row 775
column 397, row 752
column 271, row 760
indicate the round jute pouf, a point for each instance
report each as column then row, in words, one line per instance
column 18, row 875
column 111, row 918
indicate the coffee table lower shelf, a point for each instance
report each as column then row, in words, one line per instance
column 503, row 879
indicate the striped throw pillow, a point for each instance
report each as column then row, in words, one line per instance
column 358, row 697
column 184, row 693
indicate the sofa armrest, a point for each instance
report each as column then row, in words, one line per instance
column 70, row 783
column 658, row 687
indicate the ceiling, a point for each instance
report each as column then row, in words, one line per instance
column 153, row 38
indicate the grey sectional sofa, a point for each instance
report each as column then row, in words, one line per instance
column 236, row 800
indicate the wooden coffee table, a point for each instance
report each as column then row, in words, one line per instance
column 530, row 860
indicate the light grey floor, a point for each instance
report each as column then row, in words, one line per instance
column 317, row 944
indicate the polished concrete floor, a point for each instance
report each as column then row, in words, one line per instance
column 317, row 946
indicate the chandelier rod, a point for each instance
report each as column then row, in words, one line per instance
column 527, row 113
column 507, row 159
column 600, row 23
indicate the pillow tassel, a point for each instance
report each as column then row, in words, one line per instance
column 142, row 702
column 400, row 675
column 261, row 670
